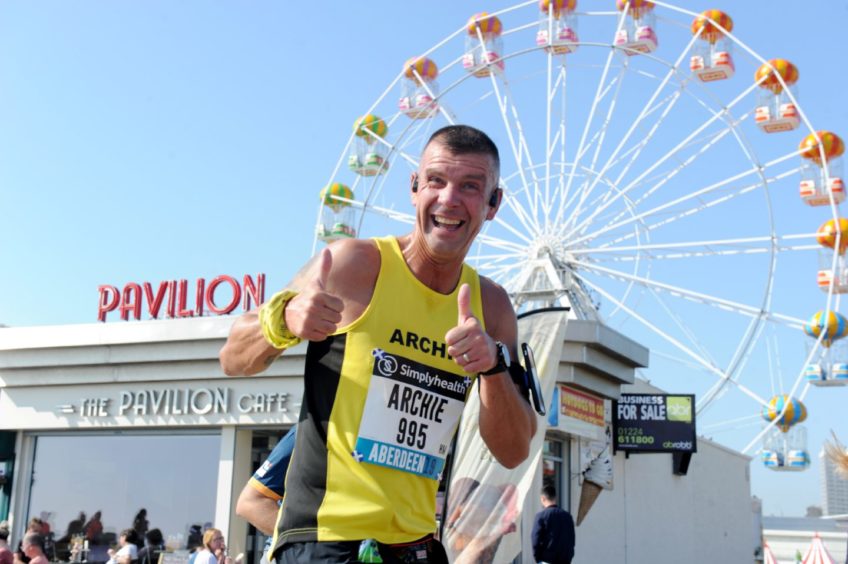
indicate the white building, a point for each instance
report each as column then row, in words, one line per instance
column 834, row 488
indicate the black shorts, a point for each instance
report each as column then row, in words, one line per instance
column 423, row 551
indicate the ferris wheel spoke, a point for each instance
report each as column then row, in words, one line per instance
column 671, row 153
column 596, row 142
column 608, row 118
column 704, row 363
column 498, row 243
column 524, row 154
column 550, row 89
column 633, row 153
column 664, row 179
column 505, row 101
column 710, row 141
column 684, row 328
column 697, row 208
column 733, row 424
column 693, row 199
column 591, row 116
column 698, row 297
column 393, row 148
column 506, row 225
column 482, row 259
column 694, row 249
column 513, row 204
column 646, row 109
column 516, row 150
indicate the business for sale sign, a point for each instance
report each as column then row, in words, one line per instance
column 655, row 423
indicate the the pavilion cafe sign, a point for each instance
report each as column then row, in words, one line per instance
column 177, row 298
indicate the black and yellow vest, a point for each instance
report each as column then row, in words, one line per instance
column 382, row 399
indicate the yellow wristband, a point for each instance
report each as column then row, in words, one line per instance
column 273, row 322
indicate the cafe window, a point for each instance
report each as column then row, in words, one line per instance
column 555, row 459
column 88, row 488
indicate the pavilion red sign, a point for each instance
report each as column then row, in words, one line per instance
column 175, row 298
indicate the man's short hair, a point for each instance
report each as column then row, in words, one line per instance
column 549, row 492
column 464, row 140
column 34, row 539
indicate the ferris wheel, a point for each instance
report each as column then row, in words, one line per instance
column 659, row 176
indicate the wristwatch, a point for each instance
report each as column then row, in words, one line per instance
column 503, row 360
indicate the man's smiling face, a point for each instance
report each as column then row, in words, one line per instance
column 452, row 199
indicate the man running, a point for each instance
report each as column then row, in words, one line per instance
column 399, row 328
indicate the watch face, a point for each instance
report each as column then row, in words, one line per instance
column 532, row 381
column 503, row 353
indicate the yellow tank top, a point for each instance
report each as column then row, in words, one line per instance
column 382, row 401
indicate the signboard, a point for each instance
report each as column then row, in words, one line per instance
column 176, row 298
column 219, row 401
column 655, row 423
column 578, row 413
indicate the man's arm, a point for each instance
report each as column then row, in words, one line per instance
column 507, row 423
column 313, row 314
column 257, row 509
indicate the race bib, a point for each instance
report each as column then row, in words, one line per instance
column 410, row 414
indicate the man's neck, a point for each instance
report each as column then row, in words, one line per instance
column 441, row 277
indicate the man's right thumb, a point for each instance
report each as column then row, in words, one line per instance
column 325, row 264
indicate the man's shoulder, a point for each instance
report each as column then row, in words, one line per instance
column 498, row 312
column 356, row 264
column 352, row 256
column 493, row 294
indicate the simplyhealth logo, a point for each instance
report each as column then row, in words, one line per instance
column 679, row 408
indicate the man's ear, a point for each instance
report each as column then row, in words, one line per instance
column 413, row 185
column 494, row 203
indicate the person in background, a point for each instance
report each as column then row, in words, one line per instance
column 553, row 531
column 154, row 547
column 140, row 523
column 128, row 548
column 94, row 528
column 75, row 527
column 261, row 496
column 35, row 525
column 214, row 549
column 6, row 556
column 33, row 547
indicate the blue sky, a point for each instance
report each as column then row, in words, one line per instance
column 157, row 140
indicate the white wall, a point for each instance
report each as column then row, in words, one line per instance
column 654, row 516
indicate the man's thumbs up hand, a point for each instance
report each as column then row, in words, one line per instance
column 315, row 313
column 469, row 345
column 463, row 302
